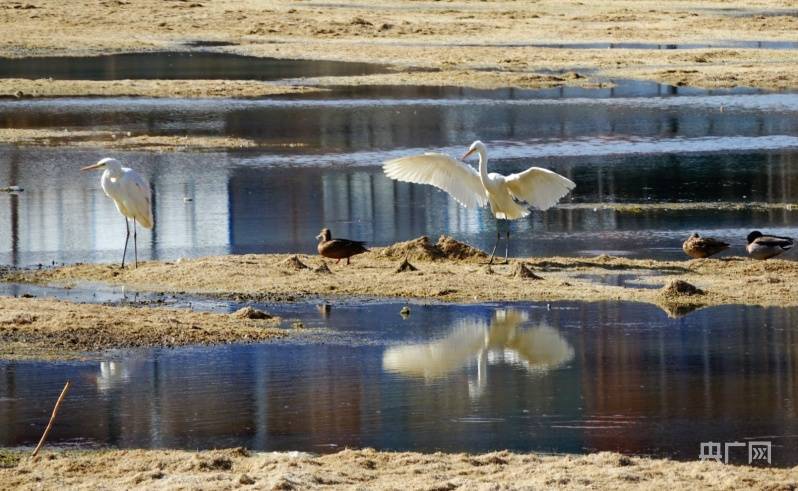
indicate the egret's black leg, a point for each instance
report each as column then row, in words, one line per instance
column 135, row 244
column 127, row 238
column 347, row 261
column 507, row 249
column 493, row 252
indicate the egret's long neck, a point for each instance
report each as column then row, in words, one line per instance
column 113, row 172
column 483, row 166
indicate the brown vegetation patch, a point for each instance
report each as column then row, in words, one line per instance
column 251, row 313
column 523, row 271
column 405, row 267
column 422, row 249
column 265, row 277
column 293, row 262
column 348, row 469
column 322, row 268
column 681, row 288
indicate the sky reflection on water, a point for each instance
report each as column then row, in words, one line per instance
column 628, row 378
column 236, row 208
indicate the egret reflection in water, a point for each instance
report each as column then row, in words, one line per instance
column 112, row 374
column 504, row 340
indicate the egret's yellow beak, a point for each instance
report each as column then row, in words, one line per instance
column 93, row 166
column 468, row 154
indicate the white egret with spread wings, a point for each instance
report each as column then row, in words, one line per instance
column 131, row 194
column 510, row 197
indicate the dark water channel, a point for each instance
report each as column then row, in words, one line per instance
column 178, row 65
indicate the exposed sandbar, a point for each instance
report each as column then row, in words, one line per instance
column 43, row 328
column 370, row 469
column 477, row 44
column 447, row 271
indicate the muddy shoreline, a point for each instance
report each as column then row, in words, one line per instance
column 22, row 89
column 471, row 44
column 236, row 468
column 449, row 271
column 32, row 328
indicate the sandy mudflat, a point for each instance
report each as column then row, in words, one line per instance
column 120, row 140
column 20, row 88
column 369, row 469
column 447, row 271
column 39, row 328
column 473, row 43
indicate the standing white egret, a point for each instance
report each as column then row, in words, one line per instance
column 510, row 197
column 131, row 194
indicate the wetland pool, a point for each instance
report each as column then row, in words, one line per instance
column 316, row 159
column 562, row 377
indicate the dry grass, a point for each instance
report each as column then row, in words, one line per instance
column 119, row 140
column 276, row 277
column 369, row 469
column 20, row 88
column 39, row 328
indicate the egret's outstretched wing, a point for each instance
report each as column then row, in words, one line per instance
column 456, row 178
column 542, row 348
column 437, row 358
column 539, row 187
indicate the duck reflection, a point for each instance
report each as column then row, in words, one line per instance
column 536, row 349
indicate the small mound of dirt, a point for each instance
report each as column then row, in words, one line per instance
column 251, row 313
column 454, row 249
column 322, row 268
column 405, row 266
column 421, row 249
column 523, row 271
column 294, row 263
column 679, row 288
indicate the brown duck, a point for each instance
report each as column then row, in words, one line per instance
column 338, row 248
column 699, row 247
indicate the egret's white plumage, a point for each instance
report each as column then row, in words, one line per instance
column 510, row 197
column 460, row 180
column 131, row 195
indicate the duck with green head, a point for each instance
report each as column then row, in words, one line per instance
column 763, row 247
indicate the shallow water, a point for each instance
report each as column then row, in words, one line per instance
column 181, row 66
column 239, row 205
column 626, row 45
column 318, row 164
column 573, row 377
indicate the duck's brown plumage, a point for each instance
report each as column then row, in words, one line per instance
column 699, row 247
column 338, row 248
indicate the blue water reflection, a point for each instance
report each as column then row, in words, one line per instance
column 574, row 377
column 63, row 216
